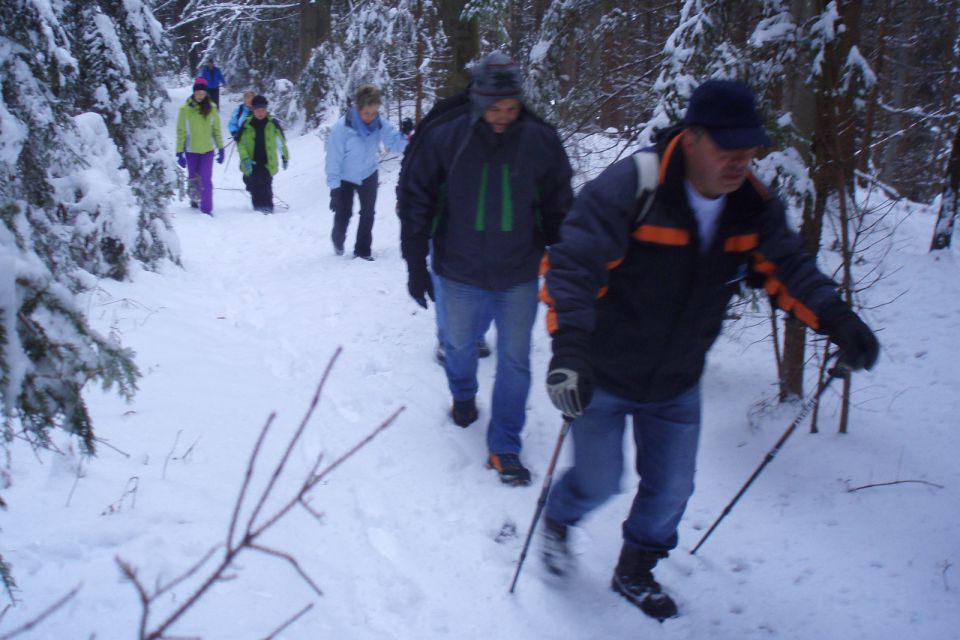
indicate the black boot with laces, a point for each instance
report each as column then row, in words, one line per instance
column 633, row 579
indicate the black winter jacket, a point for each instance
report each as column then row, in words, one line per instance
column 490, row 202
column 647, row 302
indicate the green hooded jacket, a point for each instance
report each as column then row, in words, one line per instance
column 196, row 133
column 274, row 141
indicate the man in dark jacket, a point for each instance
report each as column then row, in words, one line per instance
column 490, row 188
column 635, row 308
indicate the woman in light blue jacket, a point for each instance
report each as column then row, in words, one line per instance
column 351, row 166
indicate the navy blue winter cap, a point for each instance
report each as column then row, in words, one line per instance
column 258, row 102
column 495, row 77
column 727, row 110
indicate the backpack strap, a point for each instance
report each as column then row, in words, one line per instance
column 647, row 164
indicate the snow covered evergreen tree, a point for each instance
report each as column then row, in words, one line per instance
column 84, row 181
column 356, row 54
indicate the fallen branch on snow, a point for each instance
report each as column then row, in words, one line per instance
column 887, row 484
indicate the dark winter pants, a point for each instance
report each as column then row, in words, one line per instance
column 341, row 200
column 214, row 93
column 199, row 173
column 260, row 186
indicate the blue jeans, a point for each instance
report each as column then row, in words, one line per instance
column 514, row 311
column 666, row 436
column 485, row 322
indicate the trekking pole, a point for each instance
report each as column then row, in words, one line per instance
column 547, row 481
column 840, row 371
column 232, row 144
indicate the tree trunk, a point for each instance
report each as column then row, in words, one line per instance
column 801, row 100
column 947, row 216
column 314, row 27
column 464, row 39
column 418, row 63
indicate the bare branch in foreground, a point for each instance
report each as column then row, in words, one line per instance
column 245, row 537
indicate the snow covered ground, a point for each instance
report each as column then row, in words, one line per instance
column 415, row 539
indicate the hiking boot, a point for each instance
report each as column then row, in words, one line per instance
column 633, row 579
column 367, row 258
column 510, row 468
column 194, row 204
column 338, row 249
column 555, row 547
column 483, row 349
column 464, row 412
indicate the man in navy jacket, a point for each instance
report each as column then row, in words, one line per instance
column 636, row 307
column 490, row 187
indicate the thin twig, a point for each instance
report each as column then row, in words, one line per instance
column 290, row 559
column 46, row 613
column 131, row 574
column 297, row 616
column 318, row 515
column 886, row 484
column 186, row 574
column 315, row 478
column 163, row 475
column 237, row 541
column 106, row 442
column 76, row 482
column 246, row 480
column 293, row 441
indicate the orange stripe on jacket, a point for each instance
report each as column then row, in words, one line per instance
column 745, row 242
column 661, row 235
column 776, row 289
column 667, row 154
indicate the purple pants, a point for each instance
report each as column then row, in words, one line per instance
column 199, row 171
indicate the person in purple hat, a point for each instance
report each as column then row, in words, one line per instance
column 635, row 302
column 198, row 135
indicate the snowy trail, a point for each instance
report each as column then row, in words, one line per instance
column 408, row 543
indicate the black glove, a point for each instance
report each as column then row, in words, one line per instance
column 858, row 345
column 406, row 126
column 334, row 199
column 419, row 282
column 236, row 136
column 570, row 376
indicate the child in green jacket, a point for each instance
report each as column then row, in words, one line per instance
column 261, row 142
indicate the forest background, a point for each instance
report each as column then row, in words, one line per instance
column 860, row 97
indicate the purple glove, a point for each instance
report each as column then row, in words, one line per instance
column 182, row 159
column 220, row 156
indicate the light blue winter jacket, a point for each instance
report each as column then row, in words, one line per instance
column 240, row 115
column 352, row 157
